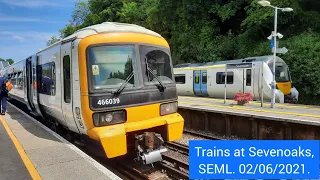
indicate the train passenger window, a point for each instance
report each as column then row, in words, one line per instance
column 66, row 79
column 47, row 79
column 204, row 78
column 180, row 78
column 248, row 77
column 196, row 78
column 220, row 78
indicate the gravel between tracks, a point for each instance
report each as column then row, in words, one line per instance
column 186, row 137
column 217, row 136
column 177, row 155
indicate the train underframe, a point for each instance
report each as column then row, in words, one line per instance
column 149, row 147
column 290, row 99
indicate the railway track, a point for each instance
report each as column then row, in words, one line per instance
column 174, row 166
column 131, row 173
column 174, row 172
column 181, row 148
column 201, row 135
column 179, row 169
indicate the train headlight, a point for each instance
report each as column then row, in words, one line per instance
column 168, row 108
column 109, row 118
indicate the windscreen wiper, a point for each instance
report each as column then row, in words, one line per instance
column 148, row 69
column 123, row 85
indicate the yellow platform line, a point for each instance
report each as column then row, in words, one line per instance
column 253, row 102
column 32, row 170
column 255, row 110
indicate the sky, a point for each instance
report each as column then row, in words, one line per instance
column 26, row 25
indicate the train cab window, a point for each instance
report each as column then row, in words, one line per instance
column 66, row 79
column 248, row 77
column 180, row 78
column 47, row 79
column 220, row 78
column 204, row 78
column 196, row 78
column 110, row 66
column 159, row 62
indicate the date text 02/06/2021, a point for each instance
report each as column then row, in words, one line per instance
column 259, row 159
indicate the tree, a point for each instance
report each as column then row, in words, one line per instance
column 80, row 13
column 10, row 61
column 53, row 40
column 68, row 30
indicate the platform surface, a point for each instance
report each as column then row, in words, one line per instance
column 29, row 150
column 11, row 166
column 302, row 114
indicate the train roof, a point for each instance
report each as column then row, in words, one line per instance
column 249, row 59
column 106, row 27
column 112, row 27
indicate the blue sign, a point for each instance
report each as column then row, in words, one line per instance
column 254, row 159
column 271, row 43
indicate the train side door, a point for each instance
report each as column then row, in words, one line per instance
column 200, row 82
column 29, row 84
column 204, row 82
column 66, row 86
column 248, row 81
column 35, row 61
column 196, row 82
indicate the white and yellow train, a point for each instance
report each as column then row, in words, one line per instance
column 252, row 75
column 110, row 83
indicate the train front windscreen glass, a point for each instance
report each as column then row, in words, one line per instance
column 159, row 62
column 112, row 65
column 282, row 72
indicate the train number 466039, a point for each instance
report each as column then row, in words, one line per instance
column 108, row 101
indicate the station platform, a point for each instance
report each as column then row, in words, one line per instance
column 302, row 114
column 29, row 150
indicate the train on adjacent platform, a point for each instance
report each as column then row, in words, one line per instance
column 110, row 83
column 253, row 74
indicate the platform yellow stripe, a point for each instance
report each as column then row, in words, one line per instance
column 249, row 109
column 252, row 102
column 32, row 170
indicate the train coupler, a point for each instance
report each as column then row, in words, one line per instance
column 149, row 147
column 290, row 99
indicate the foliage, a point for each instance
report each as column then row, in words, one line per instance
column 10, row 61
column 304, row 62
column 202, row 31
column 53, row 40
column 243, row 98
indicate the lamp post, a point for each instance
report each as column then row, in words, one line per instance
column 274, row 35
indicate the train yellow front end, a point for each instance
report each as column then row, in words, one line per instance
column 128, row 94
column 283, row 81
